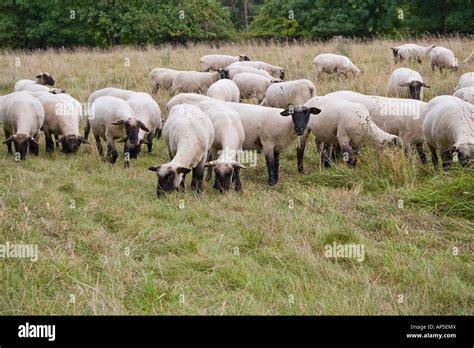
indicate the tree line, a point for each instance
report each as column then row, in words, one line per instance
column 105, row 23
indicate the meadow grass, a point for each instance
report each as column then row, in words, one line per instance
column 107, row 242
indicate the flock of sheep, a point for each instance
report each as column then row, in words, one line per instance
column 208, row 126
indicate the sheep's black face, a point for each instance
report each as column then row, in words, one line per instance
column 415, row 89
column 21, row 143
column 169, row 178
column 224, row 175
column 132, row 128
column 465, row 154
column 46, row 79
column 243, row 57
column 300, row 116
column 224, row 73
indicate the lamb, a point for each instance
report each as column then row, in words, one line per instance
column 42, row 78
column 275, row 71
column 297, row 92
column 335, row 64
column 111, row 119
column 448, row 126
column 252, row 85
column 227, row 145
column 196, row 82
column 265, row 129
column 466, row 80
column 225, row 90
column 62, row 118
column 406, row 83
column 238, row 69
column 22, row 116
column 188, row 134
column 342, row 123
column 411, row 52
column 401, row 117
column 187, row 98
column 220, row 61
column 466, row 94
column 441, row 58
column 162, row 78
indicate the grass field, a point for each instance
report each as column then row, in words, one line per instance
column 107, row 245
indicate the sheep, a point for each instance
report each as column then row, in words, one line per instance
column 466, row 94
column 187, row 98
column 345, row 124
column 62, row 117
column 411, row 52
column 401, row 117
column 238, row 69
column 227, row 144
column 42, row 78
column 265, row 129
column 333, row 63
column 252, row 85
column 297, row 92
column 33, row 87
column 275, row 71
column 196, row 82
column 406, row 83
column 220, row 61
column 111, row 119
column 448, row 127
column 225, row 90
column 162, row 78
column 466, row 80
column 469, row 58
column 188, row 134
column 22, row 116
column 441, row 57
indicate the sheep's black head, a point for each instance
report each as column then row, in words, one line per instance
column 300, row 116
column 132, row 128
column 224, row 172
column 21, row 142
column 243, row 57
column 224, row 73
column 169, row 177
column 71, row 143
column 465, row 153
column 415, row 88
column 44, row 79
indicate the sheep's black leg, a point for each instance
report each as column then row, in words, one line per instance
column 112, row 153
column 126, row 155
column 269, row 158
column 276, row 155
column 434, row 156
column 99, row 146
column 33, row 147
column 421, row 153
column 209, row 169
column 335, row 151
column 349, row 155
column 182, row 186
column 56, row 137
column 9, row 144
column 323, row 150
column 198, row 176
column 238, row 184
column 447, row 157
column 150, row 141
column 300, row 151
column 87, row 129
column 49, row 141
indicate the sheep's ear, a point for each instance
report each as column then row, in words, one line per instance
column 314, row 110
column 236, row 164
column 118, row 123
column 142, row 141
column 33, row 140
column 9, row 140
column 210, row 164
column 154, row 168
column 286, row 112
column 38, row 76
column 452, row 148
column 143, row 127
column 183, row 170
column 426, row 86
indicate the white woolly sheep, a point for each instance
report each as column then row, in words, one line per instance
column 411, row 52
column 443, row 58
column 225, row 90
column 274, row 70
column 188, row 134
column 406, row 83
column 187, row 98
column 41, row 79
column 220, row 61
column 335, row 64
column 265, row 129
column 238, row 69
column 466, row 94
column 252, row 85
column 111, row 119
column 466, row 80
column 22, row 116
column 297, row 92
column 448, row 126
column 195, row 81
column 33, row 87
column 162, row 78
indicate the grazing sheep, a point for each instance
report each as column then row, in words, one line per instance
column 410, row 52
column 188, row 134
column 238, row 69
column 252, row 85
column 406, row 83
column 33, row 87
column 265, row 129
column 228, row 139
column 22, row 116
column 335, row 64
column 220, row 61
column 162, row 78
column 275, row 71
column 225, row 90
column 342, row 123
column 41, row 79
column 195, row 81
column 297, row 92
column 62, row 117
column 466, row 94
column 441, row 58
column 469, row 59
column 400, row 117
column 187, row 98
column 466, row 80
column 111, row 119
column 448, row 126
